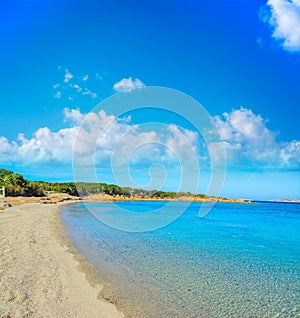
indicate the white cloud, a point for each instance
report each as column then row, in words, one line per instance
column 73, row 115
column 86, row 91
column 126, row 85
column 68, row 76
column 48, row 146
column 72, row 89
column 284, row 19
column 77, row 87
column 7, row 150
column 83, row 90
column 243, row 125
column 248, row 141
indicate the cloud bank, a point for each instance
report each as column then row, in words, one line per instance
column 47, row 146
column 248, row 142
column 284, row 19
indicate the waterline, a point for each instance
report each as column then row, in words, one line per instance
column 240, row 261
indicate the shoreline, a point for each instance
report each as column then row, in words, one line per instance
column 59, row 198
column 42, row 273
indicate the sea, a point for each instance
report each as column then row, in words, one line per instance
column 240, row 260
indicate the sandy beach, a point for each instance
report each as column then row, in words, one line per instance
column 39, row 274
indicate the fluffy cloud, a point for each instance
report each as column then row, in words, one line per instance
column 101, row 135
column 249, row 142
column 284, row 19
column 73, row 115
column 8, row 150
column 126, row 85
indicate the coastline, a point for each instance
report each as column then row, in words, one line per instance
column 105, row 197
column 42, row 274
column 59, row 198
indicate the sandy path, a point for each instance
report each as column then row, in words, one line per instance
column 38, row 276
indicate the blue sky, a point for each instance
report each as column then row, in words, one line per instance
column 241, row 58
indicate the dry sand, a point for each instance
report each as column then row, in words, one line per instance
column 39, row 275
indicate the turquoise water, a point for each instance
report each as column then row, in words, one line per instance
column 241, row 260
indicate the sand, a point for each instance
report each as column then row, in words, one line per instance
column 39, row 272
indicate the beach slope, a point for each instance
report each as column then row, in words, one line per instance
column 39, row 277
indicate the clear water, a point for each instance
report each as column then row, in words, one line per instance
column 241, row 260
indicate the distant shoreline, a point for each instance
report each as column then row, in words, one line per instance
column 285, row 201
column 14, row 185
column 42, row 272
column 56, row 198
column 55, row 192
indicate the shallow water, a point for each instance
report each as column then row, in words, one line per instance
column 241, row 260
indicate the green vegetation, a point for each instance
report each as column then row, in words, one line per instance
column 16, row 185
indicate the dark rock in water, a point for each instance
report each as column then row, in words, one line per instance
column 5, row 204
